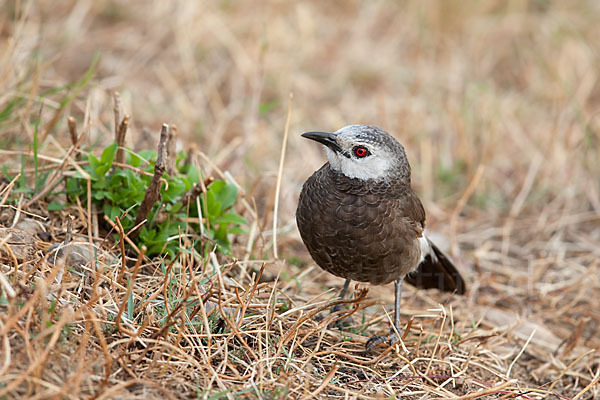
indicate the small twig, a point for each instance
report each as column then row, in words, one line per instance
column 122, row 245
column 11, row 255
column 234, row 328
column 355, row 360
column 117, row 109
column 492, row 390
column 121, row 124
column 567, row 368
column 245, row 304
column 588, row 387
column 323, row 384
column 359, row 297
column 88, row 185
column 120, row 139
column 6, row 191
column 127, row 239
column 7, row 287
column 136, row 268
column 103, row 345
column 199, row 188
column 512, row 364
column 73, row 133
column 7, row 351
column 69, row 234
column 202, row 208
column 137, row 170
column 152, row 195
column 437, row 342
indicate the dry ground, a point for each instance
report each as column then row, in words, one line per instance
column 497, row 104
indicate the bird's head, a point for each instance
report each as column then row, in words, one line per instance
column 364, row 152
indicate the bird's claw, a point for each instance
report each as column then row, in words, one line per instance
column 390, row 339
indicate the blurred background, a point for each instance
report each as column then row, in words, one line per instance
column 509, row 86
column 496, row 102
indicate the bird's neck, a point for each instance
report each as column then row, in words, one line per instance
column 393, row 182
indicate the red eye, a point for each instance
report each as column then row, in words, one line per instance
column 361, row 151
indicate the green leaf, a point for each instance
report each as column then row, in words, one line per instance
column 174, row 208
column 94, row 165
column 134, row 160
column 176, row 190
column 99, row 184
column 99, row 194
column 230, row 218
column 112, row 211
column 106, row 160
column 56, row 206
column 213, row 206
column 216, row 186
column 110, row 195
column 192, row 174
column 227, row 195
column 78, row 175
column 108, row 155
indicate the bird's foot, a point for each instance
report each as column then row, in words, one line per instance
column 391, row 339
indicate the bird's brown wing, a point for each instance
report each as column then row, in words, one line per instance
column 436, row 271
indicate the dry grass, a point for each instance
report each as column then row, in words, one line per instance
column 497, row 104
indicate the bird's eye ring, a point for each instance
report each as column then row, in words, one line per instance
column 360, row 151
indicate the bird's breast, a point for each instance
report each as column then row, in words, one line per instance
column 355, row 232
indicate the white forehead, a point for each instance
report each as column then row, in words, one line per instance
column 350, row 130
column 368, row 134
column 355, row 134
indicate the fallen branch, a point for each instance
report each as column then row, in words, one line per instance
column 121, row 124
column 152, row 195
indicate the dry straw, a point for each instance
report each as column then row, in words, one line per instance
column 496, row 102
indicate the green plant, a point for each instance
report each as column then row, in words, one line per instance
column 119, row 191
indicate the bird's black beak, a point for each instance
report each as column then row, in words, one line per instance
column 326, row 138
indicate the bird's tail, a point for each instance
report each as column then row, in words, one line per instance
column 436, row 271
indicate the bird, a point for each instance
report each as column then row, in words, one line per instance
column 360, row 219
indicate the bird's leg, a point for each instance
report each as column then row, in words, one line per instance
column 397, row 298
column 392, row 337
column 338, row 307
